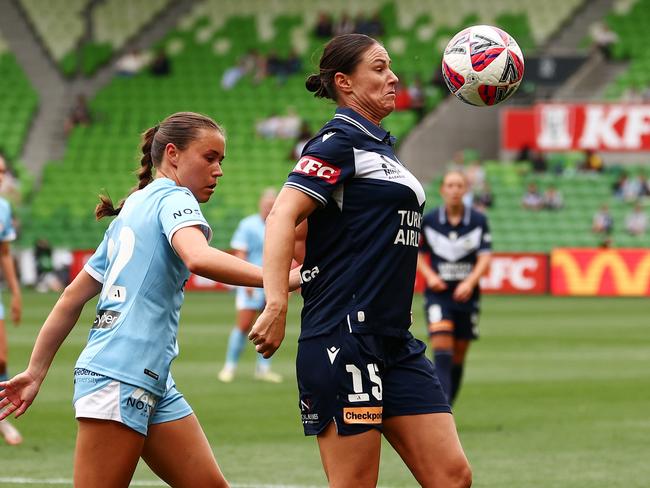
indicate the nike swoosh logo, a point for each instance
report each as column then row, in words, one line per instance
column 327, row 136
column 332, row 352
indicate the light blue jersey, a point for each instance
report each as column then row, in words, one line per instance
column 249, row 237
column 7, row 233
column 133, row 337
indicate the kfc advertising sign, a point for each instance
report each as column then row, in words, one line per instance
column 517, row 273
column 600, row 272
column 511, row 273
column 561, row 127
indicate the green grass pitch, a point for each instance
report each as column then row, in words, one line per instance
column 556, row 394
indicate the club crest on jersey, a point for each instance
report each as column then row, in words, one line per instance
column 312, row 166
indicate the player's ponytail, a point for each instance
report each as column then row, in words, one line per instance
column 179, row 129
column 342, row 54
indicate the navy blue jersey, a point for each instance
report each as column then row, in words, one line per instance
column 453, row 249
column 362, row 243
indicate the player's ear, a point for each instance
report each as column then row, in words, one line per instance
column 342, row 82
column 172, row 154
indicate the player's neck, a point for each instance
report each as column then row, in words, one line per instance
column 455, row 214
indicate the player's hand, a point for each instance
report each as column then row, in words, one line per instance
column 18, row 394
column 268, row 332
column 435, row 283
column 294, row 278
column 463, row 291
column 16, row 309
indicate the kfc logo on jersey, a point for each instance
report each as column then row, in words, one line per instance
column 315, row 167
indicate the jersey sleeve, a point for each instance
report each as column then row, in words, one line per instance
column 98, row 263
column 326, row 162
column 486, row 238
column 7, row 231
column 240, row 239
column 180, row 209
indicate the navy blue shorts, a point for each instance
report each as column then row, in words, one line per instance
column 464, row 316
column 356, row 380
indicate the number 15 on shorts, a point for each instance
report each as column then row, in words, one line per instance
column 361, row 395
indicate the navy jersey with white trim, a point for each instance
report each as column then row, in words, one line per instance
column 453, row 249
column 362, row 243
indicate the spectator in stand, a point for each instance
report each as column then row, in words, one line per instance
column 603, row 38
column 79, row 115
column 535, row 158
column 418, row 99
column 345, row 25
column 324, row 28
column 632, row 189
column 593, row 162
column 602, row 223
column 483, row 198
column 402, row 97
column 280, row 126
column 46, row 276
column 553, row 199
column 370, row 26
column 636, row 222
column 617, row 186
column 532, row 199
column 130, row 64
column 161, row 64
column 302, row 139
column 644, row 182
column 252, row 62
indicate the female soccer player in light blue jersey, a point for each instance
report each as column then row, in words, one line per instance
column 125, row 399
column 7, row 234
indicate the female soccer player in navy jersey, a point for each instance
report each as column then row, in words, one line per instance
column 125, row 399
column 360, row 371
column 454, row 254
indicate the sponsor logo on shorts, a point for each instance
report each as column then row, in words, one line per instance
column 306, row 414
column 362, row 415
column 105, row 319
column 141, row 400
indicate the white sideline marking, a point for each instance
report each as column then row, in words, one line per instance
column 64, row 481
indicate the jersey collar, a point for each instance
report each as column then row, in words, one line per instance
column 354, row 118
column 442, row 215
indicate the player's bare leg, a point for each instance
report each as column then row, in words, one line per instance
column 180, row 454
column 430, row 447
column 350, row 461
column 236, row 343
column 106, row 454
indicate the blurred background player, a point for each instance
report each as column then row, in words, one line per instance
column 454, row 254
column 360, row 371
column 7, row 234
column 248, row 244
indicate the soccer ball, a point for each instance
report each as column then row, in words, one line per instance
column 482, row 65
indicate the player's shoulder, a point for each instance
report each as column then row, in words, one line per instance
column 477, row 217
column 250, row 221
column 4, row 204
column 332, row 142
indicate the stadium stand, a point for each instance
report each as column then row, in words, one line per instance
column 629, row 19
column 62, row 28
column 16, row 110
column 212, row 38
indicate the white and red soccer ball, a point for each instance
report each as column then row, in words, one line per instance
column 482, row 65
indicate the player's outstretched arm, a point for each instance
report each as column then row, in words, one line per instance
column 290, row 209
column 20, row 391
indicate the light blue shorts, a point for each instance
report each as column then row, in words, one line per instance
column 99, row 397
column 250, row 299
